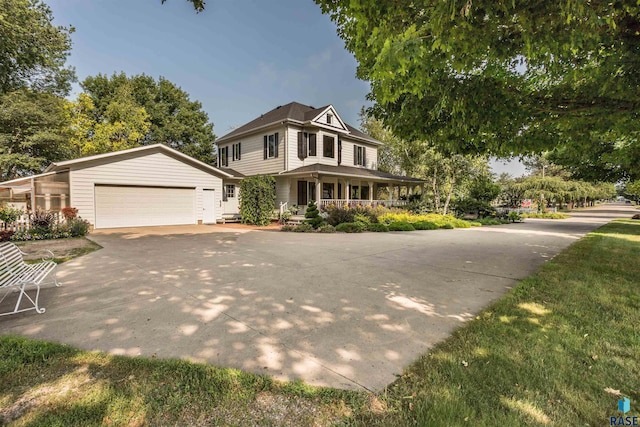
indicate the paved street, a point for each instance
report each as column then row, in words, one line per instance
column 343, row 310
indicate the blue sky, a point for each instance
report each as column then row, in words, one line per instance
column 238, row 58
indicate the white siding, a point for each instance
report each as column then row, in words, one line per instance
column 335, row 120
column 149, row 169
column 252, row 161
column 284, row 190
column 292, row 151
column 347, row 153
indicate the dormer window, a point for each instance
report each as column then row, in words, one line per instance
column 329, row 119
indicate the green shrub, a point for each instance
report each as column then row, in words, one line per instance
column 258, row 198
column 448, row 226
column 339, row 215
column 546, row 215
column 377, row 227
column 424, row 225
column 362, row 219
column 326, row 228
column 350, row 227
column 9, row 215
column 437, row 219
column 283, row 217
column 78, row 227
column 490, row 221
column 312, row 215
column 514, row 216
column 304, row 228
column 287, row 228
column 401, row 226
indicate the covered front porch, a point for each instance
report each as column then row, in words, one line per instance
column 342, row 186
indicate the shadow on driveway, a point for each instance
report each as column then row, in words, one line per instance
column 341, row 310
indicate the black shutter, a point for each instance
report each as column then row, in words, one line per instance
column 339, row 150
column 277, row 142
column 239, row 149
column 300, row 146
column 313, row 145
column 364, row 156
column 266, row 144
column 355, row 155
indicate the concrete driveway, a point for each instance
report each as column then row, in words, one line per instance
column 342, row 310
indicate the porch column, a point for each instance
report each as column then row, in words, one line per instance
column 424, row 191
column 287, row 188
column 390, row 191
column 318, row 191
column 33, row 195
column 370, row 192
column 347, row 190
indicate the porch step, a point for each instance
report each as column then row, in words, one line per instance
column 227, row 218
column 295, row 220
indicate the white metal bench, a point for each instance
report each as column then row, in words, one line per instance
column 17, row 276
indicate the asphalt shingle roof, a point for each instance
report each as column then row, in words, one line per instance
column 291, row 111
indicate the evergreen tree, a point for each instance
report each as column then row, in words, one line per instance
column 312, row 215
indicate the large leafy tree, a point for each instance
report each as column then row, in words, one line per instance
column 33, row 51
column 174, row 119
column 31, row 132
column 447, row 174
column 33, row 76
column 123, row 124
column 503, row 77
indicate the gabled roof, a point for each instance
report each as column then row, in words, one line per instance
column 292, row 112
column 352, row 172
column 57, row 166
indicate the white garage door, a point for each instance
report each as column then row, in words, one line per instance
column 118, row 206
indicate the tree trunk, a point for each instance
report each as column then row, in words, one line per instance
column 452, row 181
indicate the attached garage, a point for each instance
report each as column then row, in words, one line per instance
column 132, row 206
column 145, row 186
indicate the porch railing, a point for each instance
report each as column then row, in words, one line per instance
column 355, row 202
column 24, row 222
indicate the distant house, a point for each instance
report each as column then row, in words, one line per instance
column 312, row 153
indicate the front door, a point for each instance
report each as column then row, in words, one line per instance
column 208, row 206
column 302, row 193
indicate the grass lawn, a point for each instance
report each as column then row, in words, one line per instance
column 558, row 350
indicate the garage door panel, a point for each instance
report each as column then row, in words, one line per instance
column 143, row 206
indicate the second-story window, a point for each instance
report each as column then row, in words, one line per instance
column 271, row 146
column 236, row 151
column 307, row 145
column 223, row 156
column 329, row 119
column 359, row 155
column 328, row 149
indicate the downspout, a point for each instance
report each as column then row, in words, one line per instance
column 286, row 146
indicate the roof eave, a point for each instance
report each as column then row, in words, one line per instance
column 255, row 130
